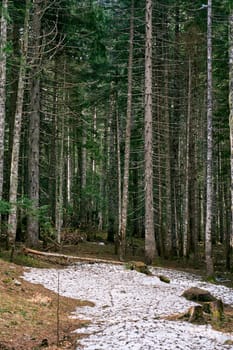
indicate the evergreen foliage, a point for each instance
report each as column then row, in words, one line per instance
column 81, row 60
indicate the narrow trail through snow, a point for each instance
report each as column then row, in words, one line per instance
column 129, row 307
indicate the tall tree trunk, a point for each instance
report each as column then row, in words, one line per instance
column 83, row 208
column 187, row 168
column 231, row 129
column 168, row 237
column 175, row 135
column 52, row 146
column 209, row 170
column 3, row 42
column 34, row 129
column 112, row 172
column 12, row 107
column 60, row 160
column 84, row 158
column 123, row 219
column 160, row 235
column 69, row 168
column 59, row 189
column 103, row 178
column 12, row 220
column 118, row 239
column 194, row 215
column 150, row 245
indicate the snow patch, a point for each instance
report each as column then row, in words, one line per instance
column 130, row 306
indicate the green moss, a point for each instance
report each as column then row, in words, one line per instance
column 211, row 279
column 138, row 266
column 164, row 279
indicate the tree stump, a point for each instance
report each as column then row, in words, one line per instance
column 198, row 294
column 195, row 314
column 217, row 311
column 211, row 309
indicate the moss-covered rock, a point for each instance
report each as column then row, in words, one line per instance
column 139, row 266
column 164, row 279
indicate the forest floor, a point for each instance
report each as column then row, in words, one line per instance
column 29, row 312
column 35, row 317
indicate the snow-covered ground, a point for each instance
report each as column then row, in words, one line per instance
column 129, row 307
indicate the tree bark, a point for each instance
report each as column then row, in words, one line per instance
column 83, row 208
column 118, row 240
column 123, row 224
column 209, row 166
column 60, row 160
column 3, row 42
column 52, row 146
column 231, row 126
column 168, row 245
column 112, row 189
column 176, row 156
column 69, row 168
column 187, row 168
column 12, row 219
column 34, row 129
column 150, row 245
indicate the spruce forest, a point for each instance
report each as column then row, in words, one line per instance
column 116, row 116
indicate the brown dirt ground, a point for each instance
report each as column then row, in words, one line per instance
column 29, row 316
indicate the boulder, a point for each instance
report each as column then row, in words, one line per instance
column 164, row 279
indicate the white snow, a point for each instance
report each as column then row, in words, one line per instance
column 130, row 307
